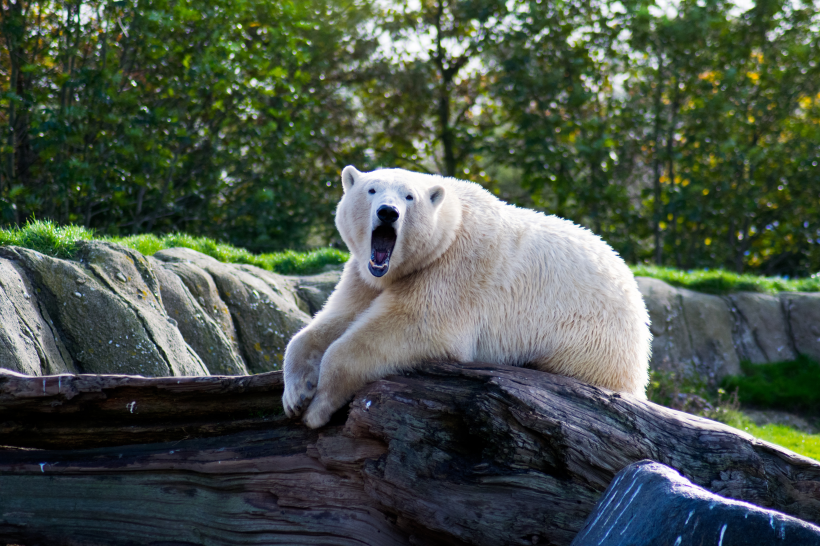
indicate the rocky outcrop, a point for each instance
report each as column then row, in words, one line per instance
column 29, row 342
column 112, row 310
column 762, row 333
column 202, row 333
column 180, row 312
column 263, row 306
column 707, row 336
column 803, row 321
column 316, row 289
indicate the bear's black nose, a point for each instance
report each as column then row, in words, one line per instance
column 387, row 214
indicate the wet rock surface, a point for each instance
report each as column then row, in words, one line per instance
column 651, row 503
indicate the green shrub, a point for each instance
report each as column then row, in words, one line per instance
column 791, row 386
column 676, row 391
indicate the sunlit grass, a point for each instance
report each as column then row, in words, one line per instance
column 46, row 237
column 790, row 438
column 288, row 262
column 799, row 442
column 719, row 281
column 60, row 241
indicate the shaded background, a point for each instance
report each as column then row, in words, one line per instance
column 686, row 134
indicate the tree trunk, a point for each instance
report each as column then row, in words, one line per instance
column 473, row 454
column 657, row 204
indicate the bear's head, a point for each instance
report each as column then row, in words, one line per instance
column 395, row 222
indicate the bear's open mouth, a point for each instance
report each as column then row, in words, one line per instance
column 381, row 247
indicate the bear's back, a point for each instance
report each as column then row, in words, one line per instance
column 546, row 291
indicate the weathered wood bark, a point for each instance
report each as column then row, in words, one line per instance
column 449, row 455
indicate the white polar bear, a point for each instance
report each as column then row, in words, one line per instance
column 442, row 269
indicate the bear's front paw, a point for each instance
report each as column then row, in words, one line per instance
column 319, row 412
column 298, row 394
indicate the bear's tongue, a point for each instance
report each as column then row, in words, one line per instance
column 382, row 242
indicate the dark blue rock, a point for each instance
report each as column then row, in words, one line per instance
column 650, row 504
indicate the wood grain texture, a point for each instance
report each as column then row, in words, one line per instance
column 450, row 454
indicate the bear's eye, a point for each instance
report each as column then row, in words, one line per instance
column 371, row 190
column 409, row 197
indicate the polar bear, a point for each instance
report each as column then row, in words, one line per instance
column 442, row 269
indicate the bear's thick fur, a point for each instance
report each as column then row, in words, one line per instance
column 441, row 269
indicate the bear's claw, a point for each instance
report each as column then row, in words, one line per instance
column 297, row 396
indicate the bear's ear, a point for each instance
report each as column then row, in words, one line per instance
column 349, row 177
column 436, row 195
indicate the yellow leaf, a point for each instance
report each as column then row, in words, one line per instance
column 705, row 192
column 754, row 76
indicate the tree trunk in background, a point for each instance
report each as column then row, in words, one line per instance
column 657, row 206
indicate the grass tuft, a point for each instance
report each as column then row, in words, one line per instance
column 46, row 237
column 719, row 281
column 288, row 262
column 60, row 242
column 800, row 442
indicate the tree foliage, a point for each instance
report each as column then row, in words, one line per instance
column 218, row 117
column 685, row 133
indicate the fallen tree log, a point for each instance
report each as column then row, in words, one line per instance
column 473, row 454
